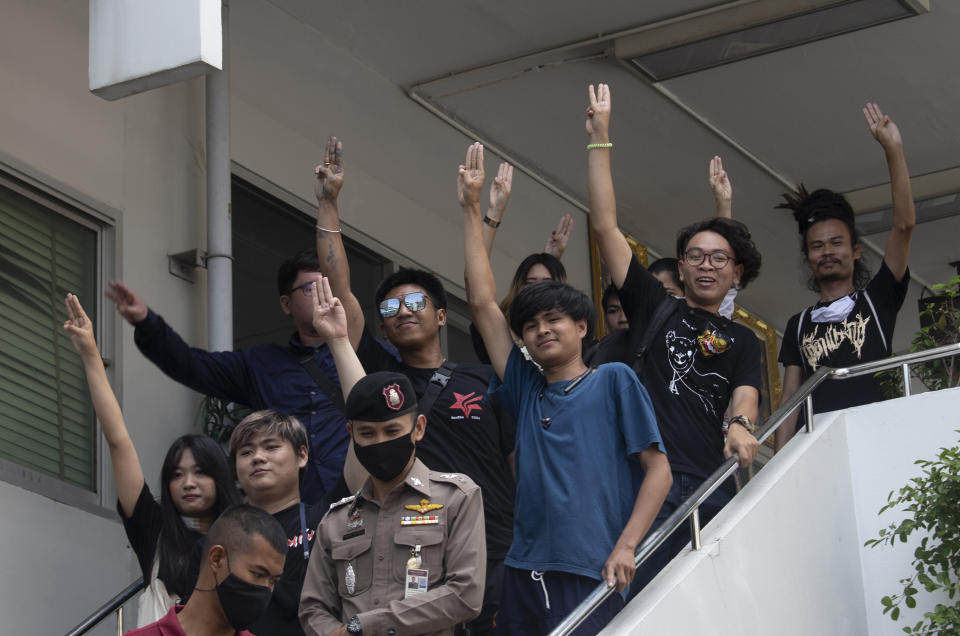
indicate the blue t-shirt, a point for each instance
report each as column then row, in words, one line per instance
column 577, row 479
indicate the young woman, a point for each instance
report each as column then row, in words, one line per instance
column 196, row 478
column 533, row 269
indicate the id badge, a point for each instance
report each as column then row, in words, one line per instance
column 416, row 582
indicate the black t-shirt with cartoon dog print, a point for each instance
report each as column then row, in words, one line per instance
column 690, row 371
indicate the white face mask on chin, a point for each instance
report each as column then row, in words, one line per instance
column 836, row 311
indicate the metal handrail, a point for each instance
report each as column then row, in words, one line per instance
column 690, row 508
column 114, row 604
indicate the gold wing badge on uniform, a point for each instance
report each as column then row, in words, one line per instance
column 424, row 506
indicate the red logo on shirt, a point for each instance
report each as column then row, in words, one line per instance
column 467, row 403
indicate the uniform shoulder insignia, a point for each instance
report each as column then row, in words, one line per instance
column 458, row 479
column 345, row 500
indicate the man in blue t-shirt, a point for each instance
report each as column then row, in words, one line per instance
column 591, row 473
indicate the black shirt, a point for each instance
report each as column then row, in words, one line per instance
column 690, row 371
column 280, row 617
column 467, row 432
column 864, row 335
column 143, row 532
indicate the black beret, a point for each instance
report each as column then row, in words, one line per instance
column 381, row 396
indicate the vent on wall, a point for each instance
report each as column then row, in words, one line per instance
column 740, row 30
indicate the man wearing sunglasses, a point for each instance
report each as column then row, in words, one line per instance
column 298, row 379
column 466, row 431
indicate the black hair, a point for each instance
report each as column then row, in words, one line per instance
column 175, row 545
column 556, row 269
column 547, row 295
column 745, row 252
column 669, row 265
column 240, row 523
column 303, row 261
column 407, row 276
column 810, row 208
column 609, row 294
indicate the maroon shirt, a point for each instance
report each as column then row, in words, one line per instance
column 168, row 626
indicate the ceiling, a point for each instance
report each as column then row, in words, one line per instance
column 776, row 119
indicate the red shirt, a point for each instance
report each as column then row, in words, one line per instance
column 168, row 626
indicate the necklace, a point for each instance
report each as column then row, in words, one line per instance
column 570, row 386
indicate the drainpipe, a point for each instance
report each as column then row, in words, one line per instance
column 219, row 239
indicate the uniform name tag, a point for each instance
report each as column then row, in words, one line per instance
column 416, row 582
column 353, row 533
column 419, row 520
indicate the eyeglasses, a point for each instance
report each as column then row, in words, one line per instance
column 717, row 259
column 306, row 288
column 417, row 301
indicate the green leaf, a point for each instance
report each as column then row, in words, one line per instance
column 911, row 602
column 895, row 614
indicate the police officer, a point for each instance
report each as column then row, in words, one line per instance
column 406, row 554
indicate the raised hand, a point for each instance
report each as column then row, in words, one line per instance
column 882, row 127
column 128, row 304
column 330, row 172
column 500, row 189
column 557, row 243
column 721, row 187
column 470, row 178
column 598, row 114
column 79, row 328
column 329, row 318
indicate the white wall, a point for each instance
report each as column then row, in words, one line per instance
column 787, row 556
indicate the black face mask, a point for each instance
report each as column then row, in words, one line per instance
column 242, row 602
column 386, row 460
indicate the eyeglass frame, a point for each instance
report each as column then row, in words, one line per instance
column 402, row 300
column 708, row 256
column 305, row 288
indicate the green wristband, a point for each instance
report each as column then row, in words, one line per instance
column 606, row 145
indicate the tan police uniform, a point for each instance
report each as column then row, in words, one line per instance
column 414, row 565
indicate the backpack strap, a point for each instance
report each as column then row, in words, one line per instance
column 326, row 385
column 436, row 385
column 876, row 319
column 663, row 311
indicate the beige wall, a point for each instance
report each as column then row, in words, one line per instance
column 138, row 163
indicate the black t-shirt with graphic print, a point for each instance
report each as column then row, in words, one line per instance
column 862, row 336
column 690, row 372
column 467, row 432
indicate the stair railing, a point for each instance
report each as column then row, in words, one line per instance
column 690, row 508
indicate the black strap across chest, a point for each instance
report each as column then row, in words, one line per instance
column 325, row 384
column 436, row 385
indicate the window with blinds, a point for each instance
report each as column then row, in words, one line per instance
column 47, row 422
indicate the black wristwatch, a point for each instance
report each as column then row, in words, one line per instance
column 353, row 627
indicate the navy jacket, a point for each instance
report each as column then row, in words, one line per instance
column 264, row 376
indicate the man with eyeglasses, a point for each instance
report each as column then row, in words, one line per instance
column 467, row 432
column 298, row 379
column 699, row 365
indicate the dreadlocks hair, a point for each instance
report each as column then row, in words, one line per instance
column 745, row 252
column 821, row 205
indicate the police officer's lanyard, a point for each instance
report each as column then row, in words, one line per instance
column 303, row 532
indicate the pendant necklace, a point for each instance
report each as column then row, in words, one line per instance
column 570, row 386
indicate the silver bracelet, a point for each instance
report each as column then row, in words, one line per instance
column 323, row 229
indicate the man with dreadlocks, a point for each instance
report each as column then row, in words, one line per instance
column 854, row 319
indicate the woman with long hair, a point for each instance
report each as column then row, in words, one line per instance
column 533, row 269
column 197, row 485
